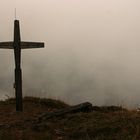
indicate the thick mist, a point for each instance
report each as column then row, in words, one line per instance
column 92, row 50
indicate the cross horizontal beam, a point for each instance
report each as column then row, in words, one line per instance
column 23, row 45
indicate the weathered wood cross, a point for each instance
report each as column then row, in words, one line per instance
column 17, row 45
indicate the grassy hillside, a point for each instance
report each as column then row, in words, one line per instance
column 103, row 123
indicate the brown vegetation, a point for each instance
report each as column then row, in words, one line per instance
column 102, row 123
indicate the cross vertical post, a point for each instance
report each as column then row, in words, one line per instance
column 18, row 71
column 17, row 45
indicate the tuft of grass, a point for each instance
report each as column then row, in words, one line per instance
column 52, row 103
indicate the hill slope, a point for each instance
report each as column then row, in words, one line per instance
column 103, row 123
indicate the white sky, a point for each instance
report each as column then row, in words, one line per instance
column 92, row 48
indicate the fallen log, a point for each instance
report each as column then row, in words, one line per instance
column 84, row 107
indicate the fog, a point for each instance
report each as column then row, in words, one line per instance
column 92, row 50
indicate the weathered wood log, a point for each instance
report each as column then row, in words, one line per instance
column 84, row 107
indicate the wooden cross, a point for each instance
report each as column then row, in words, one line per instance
column 17, row 45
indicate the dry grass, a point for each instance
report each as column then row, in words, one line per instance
column 96, row 125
